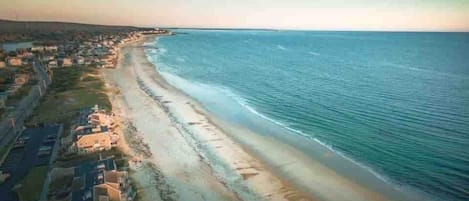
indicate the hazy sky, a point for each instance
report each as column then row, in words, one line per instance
column 439, row 15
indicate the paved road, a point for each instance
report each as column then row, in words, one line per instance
column 24, row 108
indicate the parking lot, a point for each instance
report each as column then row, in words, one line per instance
column 33, row 148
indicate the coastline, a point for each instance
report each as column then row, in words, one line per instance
column 184, row 130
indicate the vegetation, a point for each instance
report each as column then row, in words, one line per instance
column 72, row 89
column 73, row 160
column 31, row 185
column 63, row 181
column 22, row 92
column 6, row 77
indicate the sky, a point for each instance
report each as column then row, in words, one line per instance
column 387, row 15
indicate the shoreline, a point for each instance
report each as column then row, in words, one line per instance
column 244, row 176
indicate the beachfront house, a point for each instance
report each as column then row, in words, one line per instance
column 89, row 139
column 113, row 185
column 100, row 181
column 94, row 132
column 108, row 61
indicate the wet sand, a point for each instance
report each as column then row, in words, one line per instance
column 188, row 155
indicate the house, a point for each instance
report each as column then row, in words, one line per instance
column 80, row 60
column 86, row 177
column 52, row 64
column 47, row 58
column 21, row 78
column 115, row 186
column 51, row 48
column 89, row 139
column 94, row 132
column 88, row 61
column 67, row 62
column 108, row 61
column 99, row 180
column 2, row 64
column 25, row 61
column 14, row 61
column 25, row 54
column 37, row 48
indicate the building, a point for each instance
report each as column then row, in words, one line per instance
column 94, row 132
column 25, row 54
column 51, row 48
column 108, row 61
column 21, row 79
column 89, row 139
column 99, row 180
column 47, row 58
column 52, row 64
column 14, row 61
column 67, row 62
column 2, row 64
column 25, row 61
column 37, row 48
column 80, row 60
column 114, row 185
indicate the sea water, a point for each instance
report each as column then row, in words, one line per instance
column 395, row 104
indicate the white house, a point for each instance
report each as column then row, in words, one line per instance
column 53, row 64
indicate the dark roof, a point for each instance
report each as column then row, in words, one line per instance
column 89, row 130
column 88, row 173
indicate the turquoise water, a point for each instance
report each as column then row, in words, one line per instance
column 13, row 46
column 395, row 103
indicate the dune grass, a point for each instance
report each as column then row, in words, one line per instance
column 72, row 89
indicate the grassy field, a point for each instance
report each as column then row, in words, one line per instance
column 22, row 92
column 31, row 185
column 72, row 89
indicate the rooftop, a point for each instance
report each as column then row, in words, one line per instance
column 90, row 174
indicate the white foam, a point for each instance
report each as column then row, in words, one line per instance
column 281, row 47
column 180, row 59
column 314, row 53
column 162, row 50
column 244, row 104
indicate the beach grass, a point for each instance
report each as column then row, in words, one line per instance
column 23, row 91
column 72, row 89
column 73, row 160
column 31, row 185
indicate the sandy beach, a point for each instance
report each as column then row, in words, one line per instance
column 184, row 154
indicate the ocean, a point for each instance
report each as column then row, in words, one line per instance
column 395, row 104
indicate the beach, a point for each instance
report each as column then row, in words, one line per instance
column 185, row 154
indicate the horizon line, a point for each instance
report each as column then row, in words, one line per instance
column 236, row 28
